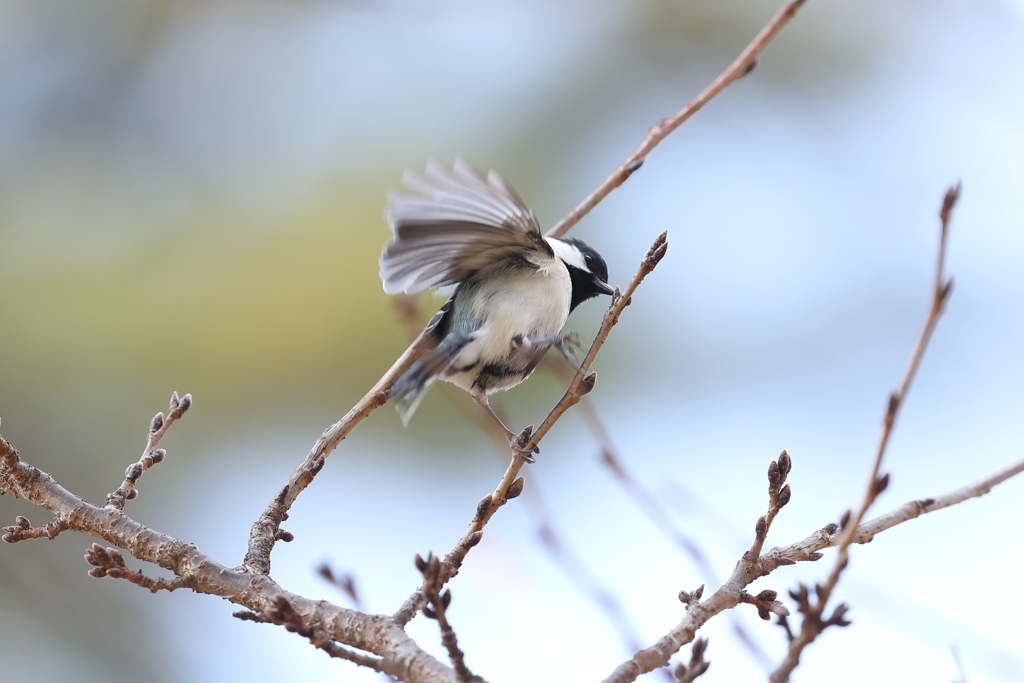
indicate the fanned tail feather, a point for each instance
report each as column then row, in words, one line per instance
column 411, row 387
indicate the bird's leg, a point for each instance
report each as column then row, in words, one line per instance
column 516, row 441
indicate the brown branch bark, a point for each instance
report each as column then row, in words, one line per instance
column 264, row 530
column 250, row 585
column 740, row 67
column 151, row 455
column 194, row 569
column 942, row 287
column 749, row 570
column 582, row 383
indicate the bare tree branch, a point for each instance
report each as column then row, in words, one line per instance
column 379, row 641
column 697, row 667
column 194, row 569
column 151, row 455
column 906, row 512
column 561, row 552
column 740, row 67
column 282, row 613
column 749, row 570
column 655, row 512
column 812, row 623
column 582, row 383
column 262, row 534
column 437, row 609
column 320, row 621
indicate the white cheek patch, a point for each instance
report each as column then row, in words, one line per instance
column 569, row 254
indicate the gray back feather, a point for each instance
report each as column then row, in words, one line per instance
column 463, row 223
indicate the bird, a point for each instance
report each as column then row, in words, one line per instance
column 513, row 287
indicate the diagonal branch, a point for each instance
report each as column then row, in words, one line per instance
column 807, row 549
column 812, row 623
column 321, row 621
column 151, row 455
column 264, row 530
column 747, row 571
column 582, row 383
column 740, row 67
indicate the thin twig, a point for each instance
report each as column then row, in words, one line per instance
column 264, row 530
column 698, row 665
column 915, row 508
column 281, row 612
column 746, row 572
column 437, row 608
column 22, row 530
column 740, row 67
column 110, row 562
column 582, row 383
column 151, row 455
column 344, row 582
column 942, row 288
column 401, row 656
column 262, row 534
column 730, row 594
column 648, row 503
column 561, row 552
column 644, row 499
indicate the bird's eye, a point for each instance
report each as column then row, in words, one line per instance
column 588, row 258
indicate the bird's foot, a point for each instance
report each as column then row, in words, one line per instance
column 571, row 345
column 520, row 443
column 568, row 343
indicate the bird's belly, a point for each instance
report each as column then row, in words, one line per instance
column 533, row 306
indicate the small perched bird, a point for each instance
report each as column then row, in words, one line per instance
column 514, row 288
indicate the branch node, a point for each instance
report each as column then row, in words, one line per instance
column 697, row 666
column 784, row 496
column 282, row 495
column 482, row 508
column 8, row 454
column 881, row 484
column 657, row 251
column 785, row 464
column 691, row 598
column 766, row 603
column 949, row 201
column 473, row 539
column 515, row 489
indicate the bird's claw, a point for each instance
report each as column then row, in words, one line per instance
column 521, row 445
column 570, row 344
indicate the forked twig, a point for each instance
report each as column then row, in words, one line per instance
column 582, row 383
column 812, row 623
column 263, row 533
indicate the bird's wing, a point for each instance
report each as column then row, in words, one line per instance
column 463, row 222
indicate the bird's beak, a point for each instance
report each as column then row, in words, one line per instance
column 604, row 287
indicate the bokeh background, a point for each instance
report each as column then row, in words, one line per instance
column 190, row 200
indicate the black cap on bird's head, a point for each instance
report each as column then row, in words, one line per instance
column 587, row 270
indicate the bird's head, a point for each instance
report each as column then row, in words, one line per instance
column 587, row 270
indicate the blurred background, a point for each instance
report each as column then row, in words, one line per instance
column 190, row 200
